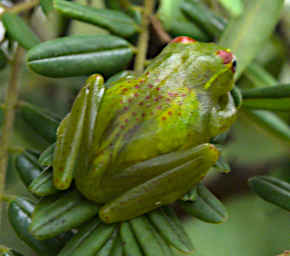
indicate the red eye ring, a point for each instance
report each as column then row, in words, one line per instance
column 183, row 40
column 226, row 56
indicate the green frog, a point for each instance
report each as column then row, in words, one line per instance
column 143, row 141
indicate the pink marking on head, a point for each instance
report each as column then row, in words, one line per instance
column 157, row 88
column 183, row 40
column 126, row 120
column 137, row 86
column 226, row 56
column 121, row 101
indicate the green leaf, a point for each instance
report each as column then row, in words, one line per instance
column 125, row 74
column 39, row 120
column 116, row 22
column 19, row 213
column 46, row 6
column 175, row 22
column 107, row 249
column 46, row 157
column 27, row 167
column 259, row 18
column 148, row 237
column 42, row 185
column 235, row 7
column 206, row 207
column 273, row 190
column 268, row 98
column 237, row 96
column 89, row 240
column 222, row 166
column 131, row 246
column 172, row 231
column 203, row 16
column 19, row 31
column 80, row 55
column 271, row 123
column 54, row 216
column 4, row 251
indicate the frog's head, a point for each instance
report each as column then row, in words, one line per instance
column 206, row 66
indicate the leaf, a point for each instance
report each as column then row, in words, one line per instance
column 19, row 31
column 54, row 216
column 4, row 251
column 80, row 55
column 116, row 22
column 271, row 123
column 3, row 60
column 268, row 98
column 172, row 231
column 42, row 122
column 204, row 17
column 42, row 185
column 107, row 249
column 259, row 18
column 131, row 246
column 89, row 240
column 206, row 207
column 235, row 7
column 19, row 213
column 27, row 167
column 273, row 190
column 147, row 237
column 222, row 166
column 46, row 6
column 237, row 96
column 46, row 157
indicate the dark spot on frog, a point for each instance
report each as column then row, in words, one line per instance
column 136, row 94
column 150, row 86
column 169, row 113
column 134, row 113
column 141, row 103
column 163, row 118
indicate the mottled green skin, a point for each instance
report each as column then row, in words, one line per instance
column 181, row 101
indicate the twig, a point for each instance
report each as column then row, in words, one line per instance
column 21, row 7
column 143, row 39
column 158, row 28
column 9, row 106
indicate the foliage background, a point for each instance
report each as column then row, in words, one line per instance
column 254, row 227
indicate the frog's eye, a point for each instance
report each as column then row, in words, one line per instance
column 226, row 56
column 183, row 40
column 234, row 65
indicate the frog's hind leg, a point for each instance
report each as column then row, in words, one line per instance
column 75, row 133
column 164, row 188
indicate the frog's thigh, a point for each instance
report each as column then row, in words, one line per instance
column 162, row 189
column 76, row 131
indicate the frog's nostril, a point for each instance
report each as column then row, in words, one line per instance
column 226, row 56
column 183, row 40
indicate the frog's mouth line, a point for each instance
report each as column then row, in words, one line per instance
column 214, row 77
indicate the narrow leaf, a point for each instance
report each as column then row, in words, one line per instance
column 115, row 21
column 80, row 55
column 42, row 185
column 46, row 6
column 89, row 240
column 206, row 207
column 172, row 233
column 27, row 167
column 39, row 120
column 46, row 157
column 271, row 123
column 235, row 7
column 131, row 246
column 19, row 31
column 53, row 216
column 258, row 18
column 269, row 98
column 19, row 213
column 273, row 190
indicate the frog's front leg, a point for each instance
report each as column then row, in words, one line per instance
column 223, row 114
column 75, row 133
column 165, row 188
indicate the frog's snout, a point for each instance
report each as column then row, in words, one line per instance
column 228, row 58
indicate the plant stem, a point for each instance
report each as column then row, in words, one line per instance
column 9, row 106
column 143, row 39
column 22, row 7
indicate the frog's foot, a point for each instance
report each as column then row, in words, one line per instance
column 165, row 188
column 75, row 133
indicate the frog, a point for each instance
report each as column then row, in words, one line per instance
column 144, row 141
